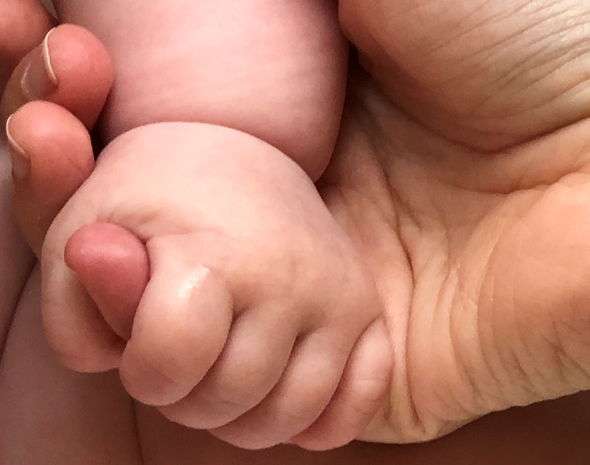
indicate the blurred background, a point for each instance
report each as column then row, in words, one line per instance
column 49, row 6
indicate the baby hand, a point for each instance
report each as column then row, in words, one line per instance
column 257, row 319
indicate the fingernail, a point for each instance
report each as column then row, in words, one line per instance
column 21, row 164
column 39, row 80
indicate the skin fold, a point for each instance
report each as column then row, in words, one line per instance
column 275, row 70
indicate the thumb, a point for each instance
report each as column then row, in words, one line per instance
column 113, row 266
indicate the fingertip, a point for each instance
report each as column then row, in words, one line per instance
column 21, row 163
column 70, row 68
column 113, row 265
column 23, row 23
column 83, row 69
column 44, row 129
column 56, row 150
column 90, row 362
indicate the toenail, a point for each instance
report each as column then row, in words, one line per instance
column 21, row 164
column 39, row 80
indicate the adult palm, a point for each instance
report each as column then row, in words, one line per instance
column 460, row 173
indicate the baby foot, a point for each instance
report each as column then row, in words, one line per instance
column 258, row 320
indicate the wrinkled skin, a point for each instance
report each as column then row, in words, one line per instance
column 464, row 186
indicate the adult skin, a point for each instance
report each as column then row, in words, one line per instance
column 87, row 419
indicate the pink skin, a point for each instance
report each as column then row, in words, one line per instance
column 113, row 266
column 90, row 418
column 396, row 183
column 279, row 355
column 241, row 302
column 275, row 70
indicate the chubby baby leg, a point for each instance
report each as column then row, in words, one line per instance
column 275, row 69
column 258, row 320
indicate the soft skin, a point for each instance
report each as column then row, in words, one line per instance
column 275, row 70
column 269, row 309
column 393, row 181
column 256, row 297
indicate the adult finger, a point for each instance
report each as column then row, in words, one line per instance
column 23, row 23
column 70, row 68
column 51, row 157
column 50, row 140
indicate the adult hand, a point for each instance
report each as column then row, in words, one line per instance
column 49, row 415
column 461, row 174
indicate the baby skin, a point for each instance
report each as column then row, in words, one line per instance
column 198, row 258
